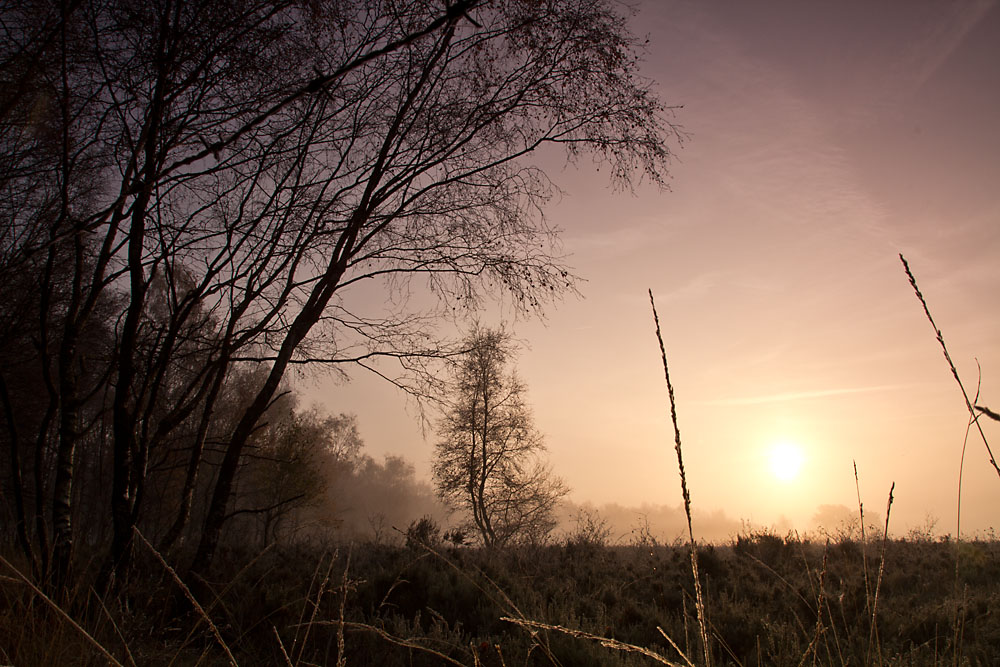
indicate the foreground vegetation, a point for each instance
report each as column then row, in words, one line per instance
column 770, row 601
column 762, row 599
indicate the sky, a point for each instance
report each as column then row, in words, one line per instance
column 825, row 138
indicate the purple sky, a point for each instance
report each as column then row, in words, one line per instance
column 826, row 138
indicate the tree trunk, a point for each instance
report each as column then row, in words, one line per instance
column 297, row 332
column 16, row 480
column 176, row 531
column 126, row 485
column 62, row 497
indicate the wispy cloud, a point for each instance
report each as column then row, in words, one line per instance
column 801, row 395
column 942, row 39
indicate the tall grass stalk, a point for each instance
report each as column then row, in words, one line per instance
column 301, row 644
column 864, row 542
column 495, row 593
column 191, row 598
column 813, row 647
column 606, row 642
column 413, row 643
column 959, row 625
column 699, row 600
column 676, row 647
column 59, row 612
column 972, row 406
column 115, row 627
column 961, row 461
column 345, row 585
column 873, row 634
column 281, row 646
column 940, row 337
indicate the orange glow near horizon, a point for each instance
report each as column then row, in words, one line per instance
column 825, row 139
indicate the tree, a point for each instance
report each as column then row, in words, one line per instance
column 370, row 498
column 210, row 181
column 488, row 458
column 283, row 472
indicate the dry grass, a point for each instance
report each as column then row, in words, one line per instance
column 60, row 612
column 969, row 404
column 803, row 603
column 191, row 598
column 873, row 633
column 606, row 642
column 699, row 597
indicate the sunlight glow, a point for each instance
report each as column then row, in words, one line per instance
column 786, row 460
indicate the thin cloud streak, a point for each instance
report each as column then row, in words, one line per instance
column 802, row 395
column 927, row 56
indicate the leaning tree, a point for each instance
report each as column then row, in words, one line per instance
column 212, row 182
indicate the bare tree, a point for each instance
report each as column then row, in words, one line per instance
column 488, row 458
column 214, row 179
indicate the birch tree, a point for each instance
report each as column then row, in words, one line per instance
column 488, row 458
column 215, row 180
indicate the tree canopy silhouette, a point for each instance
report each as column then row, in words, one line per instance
column 203, row 185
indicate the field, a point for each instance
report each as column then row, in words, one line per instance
column 769, row 601
column 761, row 599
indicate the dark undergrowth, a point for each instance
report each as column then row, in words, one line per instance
column 770, row 601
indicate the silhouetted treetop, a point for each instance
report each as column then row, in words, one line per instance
column 211, row 182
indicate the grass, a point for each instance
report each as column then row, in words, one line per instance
column 969, row 404
column 761, row 599
column 699, row 598
column 770, row 600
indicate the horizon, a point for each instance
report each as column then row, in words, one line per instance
column 823, row 143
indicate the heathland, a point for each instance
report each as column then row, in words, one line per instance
column 769, row 600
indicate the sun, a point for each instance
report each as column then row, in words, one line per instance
column 786, row 460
